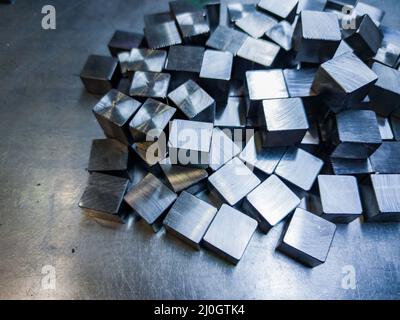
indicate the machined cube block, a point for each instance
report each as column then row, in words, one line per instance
column 299, row 82
column 270, row 203
column 150, row 84
column 149, row 154
column 311, row 141
column 366, row 39
column 340, row 198
column 109, row 156
column 259, row 157
column 263, row 53
column 357, row 135
column 256, row 23
column 312, row 5
column 308, row 238
column 284, row 122
column 230, row 233
column 233, row 181
column 385, row 94
column 355, row 167
column 282, row 34
column 216, row 72
column 316, row 36
column 343, row 81
column 282, row 10
column 342, row 49
column 151, row 120
column 185, row 59
column 385, row 128
column 142, row 60
column 103, row 197
column 222, row 149
column 150, row 199
column 162, row 35
column 299, row 168
column 180, row 178
column 194, row 102
column 113, row 113
column 100, row 74
column 238, row 10
column 124, row 41
column 231, row 115
column 189, row 219
column 380, row 198
column 157, row 18
column 193, row 27
column 386, row 159
column 190, row 143
column 226, row 39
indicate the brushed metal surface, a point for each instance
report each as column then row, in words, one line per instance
column 232, row 115
column 150, row 198
column 217, row 65
column 230, row 233
column 151, row 120
column 222, row 149
column 285, row 10
column 185, row 58
column 150, row 152
column 299, row 168
column 343, row 48
column 395, row 122
column 124, row 41
column 189, row 218
column 375, row 13
column 299, row 82
column 108, row 155
column 142, row 60
column 259, row 51
column 340, row 198
column 270, row 203
column 192, row 24
column 313, row 5
column 150, row 84
column 226, row 39
column 256, row 24
column 385, row 129
column 194, row 102
column 386, row 159
column 180, row 178
column 157, row 18
column 308, row 238
column 355, row 167
column 162, row 35
column 282, row 34
column 266, row 84
column 239, row 10
column 233, row 181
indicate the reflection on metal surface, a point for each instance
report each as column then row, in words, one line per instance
column 124, row 41
column 150, row 84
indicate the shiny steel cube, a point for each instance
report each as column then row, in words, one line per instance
column 222, row 149
column 150, row 84
column 226, row 39
column 256, row 23
column 142, row 60
column 386, row 159
column 149, row 154
column 124, row 41
column 355, row 167
column 282, row 10
column 162, row 35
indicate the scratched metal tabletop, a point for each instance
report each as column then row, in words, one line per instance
column 46, row 129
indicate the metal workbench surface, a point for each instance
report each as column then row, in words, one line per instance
column 46, row 129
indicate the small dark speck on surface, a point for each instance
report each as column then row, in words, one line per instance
column 38, row 185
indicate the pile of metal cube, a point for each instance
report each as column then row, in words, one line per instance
column 289, row 110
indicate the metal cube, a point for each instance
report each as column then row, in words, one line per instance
column 162, row 35
column 263, row 53
column 299, row 82
column 284, row 122
column 193, row 27
column 256, row 24
column 308, row 238
column 189, row 219
column 299, row 168
column 238, row 10
column 103, row 197
column 312, row 5
column 142, row 60
column 343, row 82
column 386, row 159
column 316, row 36
column 270, row 203
column 356, row 167
column 150, row 84
column 149, row 154
column 385, row 128
column 113, row 113
column 190, row 143
column 150, row 199
column 230, row 233
column 282, row 10
column 193, row 102
column 226, row 39
column 185, row 58
column 233, row 181
column 100, row 74
column 124, row 41
column 282, row 34
column 340, row 198
column 151, row 120
column 232, row 115
column 385, row 94
column 109, row 156
column 222, row 149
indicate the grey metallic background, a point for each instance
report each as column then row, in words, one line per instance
column 46, row 129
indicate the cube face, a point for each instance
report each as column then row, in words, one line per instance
column 190, row 142
column 104, row 194
column 311, row 5
column 308, row 238
column 270, row 203
column 222, row 149
column 358, row 134
column 263, row 159
column 233, row 181
column 192, row 24
column 142, row 60
column 340, row 198
column 194, row 102
column 256, row 24
column 266, row 84
column 299, row 168
column 282, row 10
column 100, row 74
column 217, row 65
column 226, row 39
column 150, row 153
column 284, row 121
column 386, row 158
column 230, row 233
column 189, row 218
column 356, row 167
column 124, row 41
column 237, row 10
column 317, row 36
column 185, row 58
column 343, row 81
column 150, row 84
column 299, row 82
column 259, row 51
column 150, row 121
column 385, row 94
column 162, row 35
column 108, row 155
column 113, row 112
column 282, row 34
column 385, row 129
column 232, row 115
column 150, row 198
